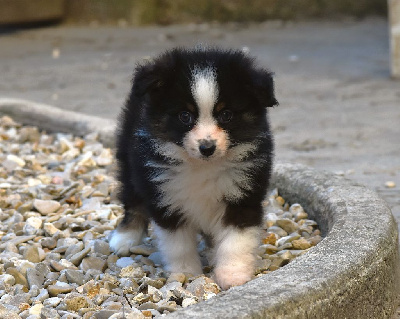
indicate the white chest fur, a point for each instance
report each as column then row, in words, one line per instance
column 198, row 189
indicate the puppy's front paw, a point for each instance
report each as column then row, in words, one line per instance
column 229, row 276
column 121, row 242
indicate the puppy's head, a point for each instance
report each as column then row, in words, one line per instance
column 205, row 101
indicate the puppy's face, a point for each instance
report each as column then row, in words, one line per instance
column 205, row 104
column 207, row 136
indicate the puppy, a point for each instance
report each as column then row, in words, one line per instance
column 194, row 151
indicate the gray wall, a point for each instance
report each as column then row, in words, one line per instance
column 144, row 12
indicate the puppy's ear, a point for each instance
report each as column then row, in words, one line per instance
column 146, row 80
column 263, row 87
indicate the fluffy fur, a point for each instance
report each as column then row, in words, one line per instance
column 194, row 151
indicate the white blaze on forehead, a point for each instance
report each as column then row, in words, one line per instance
column 205, row 91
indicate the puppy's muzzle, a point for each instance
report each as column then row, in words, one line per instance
column 207, row 147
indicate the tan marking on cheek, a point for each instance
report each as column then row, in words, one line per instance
column 222, row 139
column 191, row 107
column 220, row 106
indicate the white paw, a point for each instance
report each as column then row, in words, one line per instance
column 121, row 242
column 179, row 250
column 229, row 276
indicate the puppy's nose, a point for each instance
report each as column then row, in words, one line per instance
column 207, row 147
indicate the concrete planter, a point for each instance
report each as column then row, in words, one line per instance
column 353, row 273
column 53, row 119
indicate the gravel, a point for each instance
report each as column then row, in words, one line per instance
column 57, row 208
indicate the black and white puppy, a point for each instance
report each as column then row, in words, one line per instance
column 194, row 150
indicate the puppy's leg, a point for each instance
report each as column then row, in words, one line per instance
column 179, row 249
column 234, row 257
column 128, row 233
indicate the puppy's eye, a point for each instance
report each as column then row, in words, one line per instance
column 225, row 116
column 186, row 117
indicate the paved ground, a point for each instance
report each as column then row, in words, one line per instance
column 339, row 110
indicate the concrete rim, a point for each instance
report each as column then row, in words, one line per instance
column 353, row 273
column 53, row 119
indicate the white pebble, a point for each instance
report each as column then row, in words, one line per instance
column 209, row 295
column 103, row 213
column 188, row 302
column 16, row 159
column 52, row 302
column 272, row 217
column 296, row 208
column 7, row 279
column 55, row 53
column 46, row 207
column 50, row 229
column 34, row 182
column 390, row 184
column 105, row 158
column 32, row 225
column 36, row 309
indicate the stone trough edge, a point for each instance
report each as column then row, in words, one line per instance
column 354, row 272
column 53, row 119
